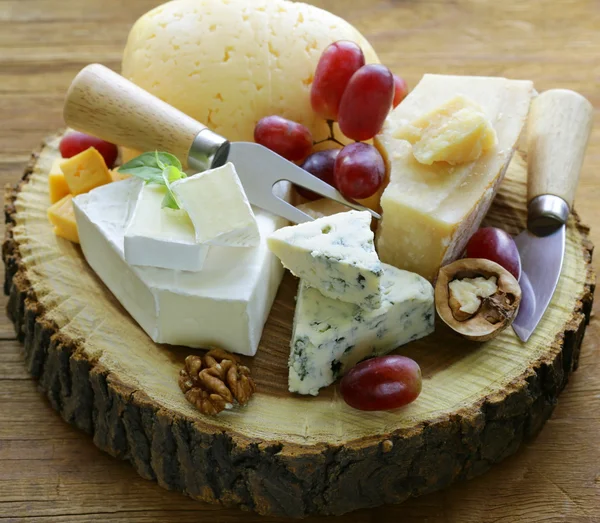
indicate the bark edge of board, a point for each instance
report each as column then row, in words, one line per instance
column 280, row 479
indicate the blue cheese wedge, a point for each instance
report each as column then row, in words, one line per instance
column 218, row 207
column 161, row 237
column 331, row 336
column 334, row 254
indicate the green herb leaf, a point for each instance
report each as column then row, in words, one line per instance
column 169, row 202
column 157, row 168
column 168, row 160
column 150, row 166
column 170, row 175
column 158, row 162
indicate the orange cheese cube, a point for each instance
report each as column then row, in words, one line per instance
column 117, row 176
column 85, row 171
column 57, row 184
column 62, row 216
column 129, row 154
column 70, row 235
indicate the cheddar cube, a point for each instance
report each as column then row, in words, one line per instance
column 71, row 235
column 85, row 171
column 117, row 176
column 57, row 184
column 129, row 154
column 62, row 216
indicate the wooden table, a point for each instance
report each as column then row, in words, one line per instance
column 51, row 472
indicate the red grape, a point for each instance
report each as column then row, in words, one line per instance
column 75, row 142
column 337, row 64
column 497, row 245
column 289, row 139
column 382, row 383
column 359, row 171
column 400, row 90
column 366, row 102
column 319, row 164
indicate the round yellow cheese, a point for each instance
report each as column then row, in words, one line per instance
column 228, row 63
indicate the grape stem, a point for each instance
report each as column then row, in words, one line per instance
column 331, row 137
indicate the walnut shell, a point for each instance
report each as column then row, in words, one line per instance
column 495, row 313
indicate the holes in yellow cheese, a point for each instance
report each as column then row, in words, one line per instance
column 85, row 171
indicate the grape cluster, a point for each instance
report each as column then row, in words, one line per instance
column 356, row 95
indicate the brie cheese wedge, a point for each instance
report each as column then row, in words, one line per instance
column 218, row 207
column 226, row 304
column 161, row 237
column 334, row 254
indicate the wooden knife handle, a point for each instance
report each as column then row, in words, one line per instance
column 102, row 103
column 559, row 126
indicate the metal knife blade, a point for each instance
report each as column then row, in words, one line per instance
column 541, row 264
column 558, row 130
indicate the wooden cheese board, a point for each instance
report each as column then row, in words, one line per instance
column 282, row 454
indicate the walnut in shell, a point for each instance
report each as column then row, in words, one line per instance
column 477, row 298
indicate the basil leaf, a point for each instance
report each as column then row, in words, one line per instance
column 170, row 175
column 158, row 162
column 169, row 202
column 168, row 160
column 150, row 166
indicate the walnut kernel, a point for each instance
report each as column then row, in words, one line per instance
column 215, row 381
column 477, row 298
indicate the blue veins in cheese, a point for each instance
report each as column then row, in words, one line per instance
column 224, row 304
column 161, row 237
column 218, row 207
column 331, row 336
column 334, row 254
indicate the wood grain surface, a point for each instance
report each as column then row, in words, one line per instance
column 51, row 472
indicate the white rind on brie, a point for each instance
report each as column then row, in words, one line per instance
column 218, row 207
column 161, row 237
column 226, row 304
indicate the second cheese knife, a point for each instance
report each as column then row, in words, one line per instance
column 558, row 130
column 104, row 104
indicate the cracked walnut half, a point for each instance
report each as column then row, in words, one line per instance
column 215, row 381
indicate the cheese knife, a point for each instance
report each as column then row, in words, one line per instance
column 558, row 130
column 105, row 104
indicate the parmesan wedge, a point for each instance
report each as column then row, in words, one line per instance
column 430, row 211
